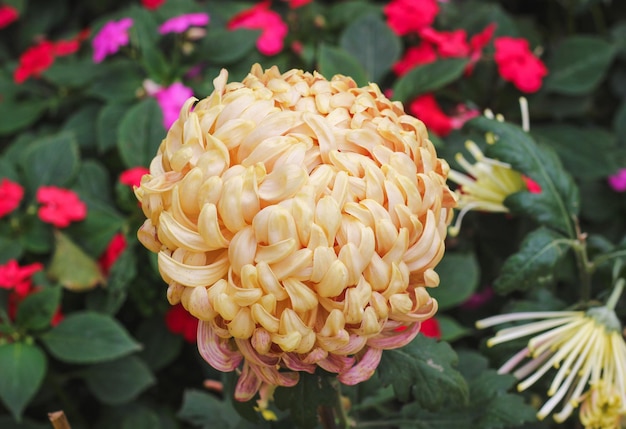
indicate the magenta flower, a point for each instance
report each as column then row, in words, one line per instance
column 181, row 23
column 260, row 17
column 111, row 37
column 618, row 181
column 171, row 99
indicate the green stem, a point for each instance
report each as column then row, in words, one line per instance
column 334, row 416
column 617, row 292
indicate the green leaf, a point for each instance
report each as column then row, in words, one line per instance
column 206, row 411
column 72, row 72
column 51, row 160
column 428, row 77
column 160, row 346
column 82, row 125
column 221, row 46
column 333, row 60
column 451, row 330
column 7, row 422
column 140, row 133
column 142, row 418
column 423, row 369
column 578, row 65
column 534, row 263
column 107, row 123
column 22, row 369
column 95, row 232
column 38, row 308
column 88, row 337
column 10, row 249
column 587, row 153
column 558, row 200
column 304, row 398
column 118, row 381
column 16, row 116
column 619, row 124
column 72, row 267
column 342, row 14
column 93, row 179
column 370, row 40
column 117, row 81
column 458, row 279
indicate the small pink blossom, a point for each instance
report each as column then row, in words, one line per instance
column 171, row 99
column 260, row 17
column 426, row 109
column 8, row 15
column 517, row 64
column 11, row 195
column 294, row 4
column 618, row 181
column 111, row 38
column 180, row 24
column 60, row 206
column 531, row 186
column 450, row 44
column 132, row 176
column 116, row 247
column 478, row 299
column 415, row 56
column 410, row 16
column 16, row 278
column 152, row 4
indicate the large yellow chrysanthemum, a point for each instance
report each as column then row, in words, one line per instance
column 300, row 220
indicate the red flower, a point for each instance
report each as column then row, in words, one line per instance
column 406, row 16
column 426, row 109
column 531, row 186
column 477, row 44
column 34, row 61
column 179, row 321
column 116, row 247
column 415, row 56
column 517, row 64
column 11, row 194
column 430, row 328
column 260, row 17
column 294, row 4
column 450, row 44
column 60, row 206
column 8, row 15
column 16, row 278
column 132, row 176
column 152, row 4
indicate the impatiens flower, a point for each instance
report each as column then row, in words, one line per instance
column 111, row 38
column 415, row 56
column 477, row 44
column 171, row 99
column 449, row 44
column 180, row 24
column 300, row 219
column 8, row 15
column 34, row 61
column 479, row 299
column 132, row 176
column 518, row 65
column 260, row 17
column 179, row 321
column 486, row 187
column 11, row 195
column 618, row 181
column 430, row 328
column 427, row 109
column 116, row 247
column 16, row 278
column 588, row 350
column 60, row 206
column 294, row 4
column 410, row 16
column 152, row 4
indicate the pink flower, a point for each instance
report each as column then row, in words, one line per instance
column 450, row 44
column 618, row 181
column 179, row 321
column 111, row 37
column 152, row 4
column 8, row 15
column 60, row 206
column 517, row 64
column 11, row 194
column 294, row 4
column 260, row 17
column 426, row 109
column 407, row 16
column 171, row 99
column 477, row 44
column 16, row 278
column 179, row 24
column 478, row 299
column 531, row 186
column 415, row 56
column 116, row 247
column 132, row 176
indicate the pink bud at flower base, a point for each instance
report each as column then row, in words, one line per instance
column 299, row 219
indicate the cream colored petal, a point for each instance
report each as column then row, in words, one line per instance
column 269, row 282
column 209, row 228
column 190, row 275
column 334, row 281
column 264, row 318
column 242, row 249
column 284, row 182
column 230, row 206
column 298, row 265
column 302, row 297
column 242, row 326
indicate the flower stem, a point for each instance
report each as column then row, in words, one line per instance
column 334, row 416
column 615, row 295
column 585, row 268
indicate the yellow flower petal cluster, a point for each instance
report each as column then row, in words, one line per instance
column 300, row 220
column 587, row 350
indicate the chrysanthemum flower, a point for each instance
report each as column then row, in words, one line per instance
column 300, row 220
column 486, row 185
column 588, row 350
